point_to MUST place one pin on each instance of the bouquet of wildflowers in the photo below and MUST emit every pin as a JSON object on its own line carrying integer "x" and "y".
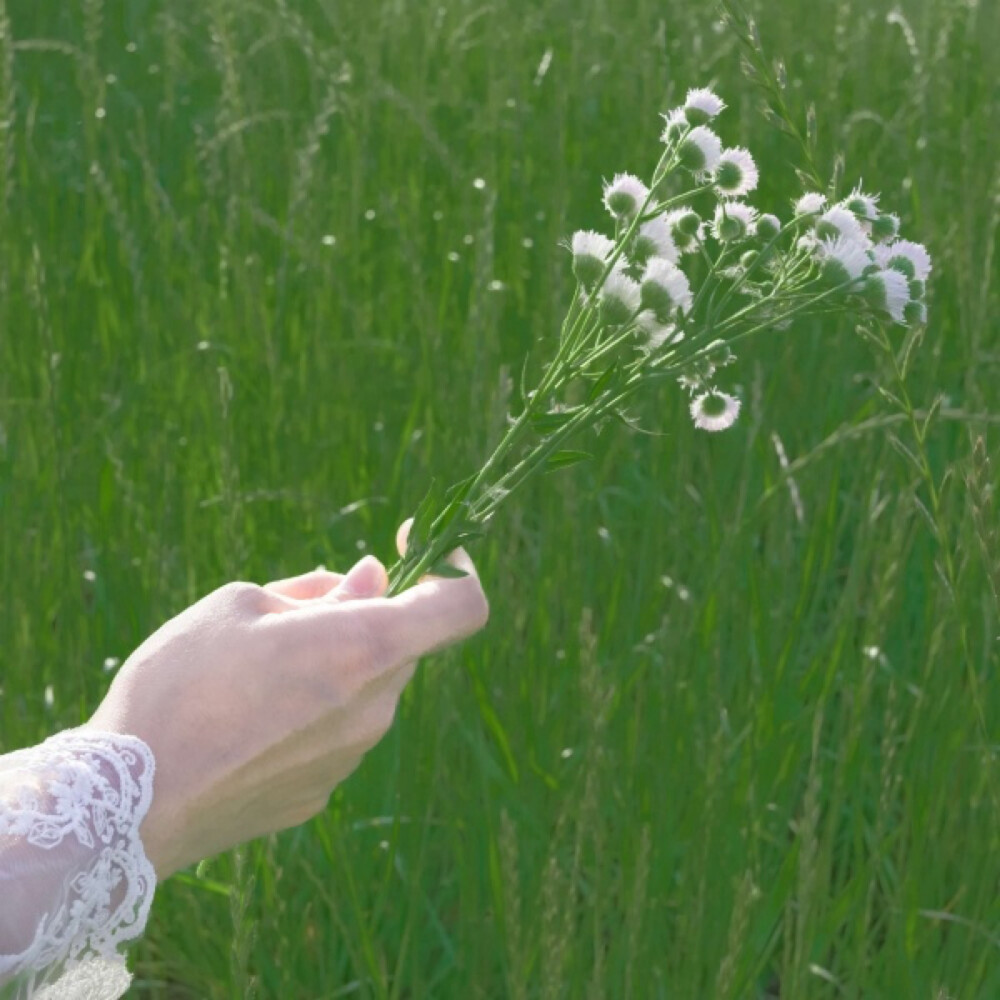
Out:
{"x": 688, "y": 270}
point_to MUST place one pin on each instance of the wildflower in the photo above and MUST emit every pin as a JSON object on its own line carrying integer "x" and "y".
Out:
{"x": 665, "y": 287}
{"x": 838, "y": 221}
{"x": 624, "y": 195}
{"x": 700, "y": 150}
{"x": 714, "y": 410}
{"x": 655, "y": 240}
{"x": 911, "y": 259}
{"x": 843, "y": 259}
{"x": 619, "y": 298}
{"x": 736, "y": 173}
{"x": 915, "y": 313}
{"x": 658, "y": 334}
{"x": 591, "y": 252}
{"x": 676, "y": 125}
{"x": 864, "y": 206}
{"x": 768, "y": 227}
{"x": 686, "y": 228}
{"x": 885, "y": 227}
{"x": 733, "y": 221}
{"x": 889, "y": 291}
{"x": 811, "y": 203}
{"x": 701, "y": 105}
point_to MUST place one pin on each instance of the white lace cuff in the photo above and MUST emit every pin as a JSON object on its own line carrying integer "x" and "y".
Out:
{"x": 75, "y": 882}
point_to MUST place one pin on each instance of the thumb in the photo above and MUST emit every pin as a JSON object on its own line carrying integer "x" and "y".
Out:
{"x": 366, "y": 578}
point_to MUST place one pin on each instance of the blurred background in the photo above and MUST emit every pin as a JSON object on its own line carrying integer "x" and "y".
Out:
{"x": 269, "y": 267}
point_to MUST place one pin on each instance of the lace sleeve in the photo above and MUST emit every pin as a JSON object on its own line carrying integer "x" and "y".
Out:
{"x": 75, "y": 882}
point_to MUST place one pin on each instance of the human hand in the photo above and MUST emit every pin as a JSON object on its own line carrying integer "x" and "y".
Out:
{"x": 258, "y": 701}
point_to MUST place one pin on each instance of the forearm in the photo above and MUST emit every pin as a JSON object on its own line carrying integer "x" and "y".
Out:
{"x": 74, "y": 879}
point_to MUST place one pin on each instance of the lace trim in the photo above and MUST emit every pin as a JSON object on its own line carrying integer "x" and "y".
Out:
{"x": 95, "y": 787}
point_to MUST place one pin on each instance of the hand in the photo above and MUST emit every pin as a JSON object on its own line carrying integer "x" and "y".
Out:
{"x": 257, "y": 701}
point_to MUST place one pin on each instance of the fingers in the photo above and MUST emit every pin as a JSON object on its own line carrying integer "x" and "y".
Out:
{"x": 435, "y": 613}
{"x": 365, "y": 579}
{"x": 307, "y": 587}
{"x": 457, "y": 557}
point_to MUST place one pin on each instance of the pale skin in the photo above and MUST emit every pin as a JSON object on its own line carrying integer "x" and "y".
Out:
{"x": 257, "y": 701}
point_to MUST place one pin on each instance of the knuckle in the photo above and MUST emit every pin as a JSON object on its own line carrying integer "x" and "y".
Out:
{"x": 242, "y": 594}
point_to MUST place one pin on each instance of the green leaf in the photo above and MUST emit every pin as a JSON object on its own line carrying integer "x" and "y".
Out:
{"x": 545, "y": 423}
{"x": 446, "y": 570}
{"x": 562, "y": 459}
{"x": 422, "y": 520}
{"x": 598, "y": 387}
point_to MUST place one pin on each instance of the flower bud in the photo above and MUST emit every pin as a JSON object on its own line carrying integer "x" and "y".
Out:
{"x": 619, "y": 298}
{"x": 624, "y": 196}
{"x": 768, "y": 227}
{"x": 700, "y": 150}
{"x": 591, "y": 252}
{"x": 885, "y": 228}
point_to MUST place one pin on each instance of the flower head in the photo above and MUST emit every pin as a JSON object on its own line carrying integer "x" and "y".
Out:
{"x": 838, "y": 221}
{"x": 700, "y": 150}
{"x": 736, "y": 173}
{"x": 654, "y": 239}
{"x": 885, "y": 227}
{"x": 675, "y": 125}
{"x": 888, "y": 291}
{"x": 811, "y": 203}
{"x": 911, "y": 259}
{"x": 665, "y": 287}
{"x": 591, "y": 252}
{"x": 714, "y": 410}
{"x": 768, "y": 226}
{"x": 619, "y": 297}
{"x": 733, "y": 220}
{"x": 701, "y": 105}
{"x": 843, "y": 259}
{"x": 915, "y": 313}
{"x": 658, "y": 334}
{"x": 624, "y": 195}
{"x": 864, "y": 206}
{"x": 687, "y": 229}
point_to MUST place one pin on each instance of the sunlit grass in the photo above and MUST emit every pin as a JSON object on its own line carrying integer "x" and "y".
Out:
{"x": 267, "y": 269}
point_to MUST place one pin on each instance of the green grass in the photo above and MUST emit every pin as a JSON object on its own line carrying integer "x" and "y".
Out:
{"x": 705, "y": 748}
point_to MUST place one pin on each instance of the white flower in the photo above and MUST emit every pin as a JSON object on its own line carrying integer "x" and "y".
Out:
{"x": 915, "y": 313}
{"x": 619, "y": 297}
{"x": 654, "y": 240}
{"x": 700, "y": 150}
{"x": 659, "y": 334}
{"x": 911, "y": 258}
{"x": 838, "y": 221}
{"x": 624, "y": 195}
{"x": 687, "y": 229}
{"x": 591, "y": 252}
{"x": 665, "y": 287}
{"x": 889, "y": 291}
{"x": 702, "y": 104}
{"x": 768, "y": 226}
{"x": 865, "y": 206}
{"x": 714, "y": 410}
{"x": 810, "y": 204}
{"x": 885, "y": 227}
{"x": 733, "y": 220}
{"x": 843, "y": 259}
{"x": 675, "y": 125}
{"x": 736, "y": 173}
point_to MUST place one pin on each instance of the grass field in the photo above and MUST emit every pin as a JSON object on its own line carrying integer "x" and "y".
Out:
{"x": 732, "y": 730}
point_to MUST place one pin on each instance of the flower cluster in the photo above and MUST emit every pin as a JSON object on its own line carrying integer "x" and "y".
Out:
{"x": 689, "y": 269}
{"x": 702, "y": 265}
